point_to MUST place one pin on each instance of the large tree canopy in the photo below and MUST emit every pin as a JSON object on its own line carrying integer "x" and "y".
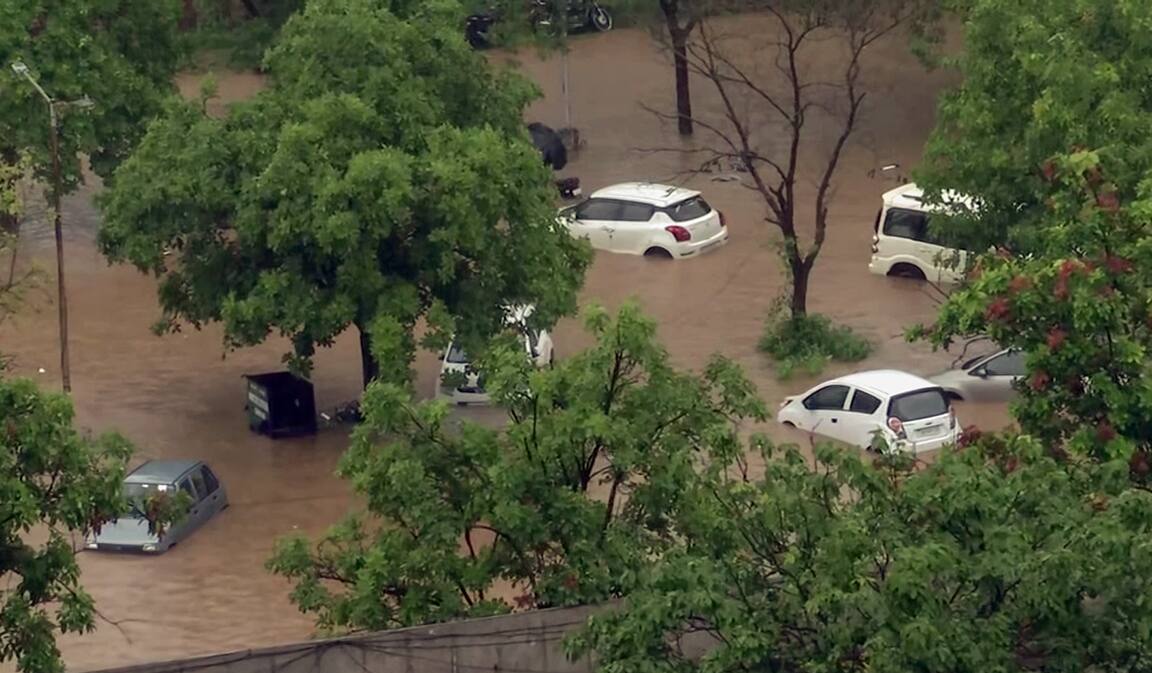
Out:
{"x": 566, "y": 506}
{"x": 384, "y": 175}
{"x": 1040, "y": 78}
{"x": 1048, "y": 131}
{"x": 120, "y": 53}
{"x": 995, "y": 558}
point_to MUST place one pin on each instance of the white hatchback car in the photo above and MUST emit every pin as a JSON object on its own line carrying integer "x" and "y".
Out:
{"x": 537, "y": 347}
{"x": 908, "y": 412}
{"x": 638, "y": 218}
{"x": 903, "y": 245}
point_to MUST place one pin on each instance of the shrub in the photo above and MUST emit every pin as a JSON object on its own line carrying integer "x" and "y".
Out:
{"x": 808, "y": 342}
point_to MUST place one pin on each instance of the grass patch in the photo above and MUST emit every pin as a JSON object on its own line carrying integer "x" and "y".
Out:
{"x": 807, "y": 343}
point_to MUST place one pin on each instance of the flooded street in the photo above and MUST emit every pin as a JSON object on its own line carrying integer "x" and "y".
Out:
{"x": 183, "y": 396}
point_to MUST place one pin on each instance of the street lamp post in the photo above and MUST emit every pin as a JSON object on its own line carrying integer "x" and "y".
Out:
{"x": 57, "y": 191}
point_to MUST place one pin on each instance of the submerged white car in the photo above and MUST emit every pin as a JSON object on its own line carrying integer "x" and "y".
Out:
{"x": 455, "y": 362}
{"x": 903, "y": 243}
{"x": 638, "y": 218}
{"x": 907, "y": 412}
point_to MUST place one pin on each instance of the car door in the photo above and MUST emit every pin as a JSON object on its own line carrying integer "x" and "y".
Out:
{"x": 215, "y": 498}
{"x": 634, "y": 227}
{"x": 991, "y": 380}
{"x": 825, "y": 411}
{"x": 863, "y": 418}
{"x": 198, "y": 510}
{"x": 179, "y": 529}
{"x": 595, "y": 219}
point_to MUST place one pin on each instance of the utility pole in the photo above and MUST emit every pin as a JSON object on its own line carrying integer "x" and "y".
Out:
{"x": 57, "y": 193}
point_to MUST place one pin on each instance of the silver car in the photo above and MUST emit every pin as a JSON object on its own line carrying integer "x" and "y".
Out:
{"x": 130, "y": 531}
{"x": 986, "y": 378}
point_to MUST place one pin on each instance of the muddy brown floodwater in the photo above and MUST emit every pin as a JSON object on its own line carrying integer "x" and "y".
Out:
{"x": 179, "y": 396}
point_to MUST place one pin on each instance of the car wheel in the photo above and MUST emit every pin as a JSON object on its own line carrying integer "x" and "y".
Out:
{"x": 657, "y": 253}
{"x": 907, "y": 271}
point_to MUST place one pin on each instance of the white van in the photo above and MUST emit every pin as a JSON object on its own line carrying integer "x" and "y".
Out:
{"x": 902, "y": 244}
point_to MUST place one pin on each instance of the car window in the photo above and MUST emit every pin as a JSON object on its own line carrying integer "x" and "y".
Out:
{"x": 864, "y": 403}
{"x": 972, "y": 361}
{"x": 186, "y": 486}
{"x": 829, "y": 397}
{"x": 689, "y": 209}
{"x": 919, "y": 404}
{"x": 456, "y": 354}
{"x": 1008, "y": 364}
{"x": 198, "y": 483}
{"x": 909, "y": 224}
{"x": 635, "y": 212}
{"x": 598, "y": 209}
{"x": 211, "y": 483}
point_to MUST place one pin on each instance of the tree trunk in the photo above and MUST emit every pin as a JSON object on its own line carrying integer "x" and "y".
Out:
{"x": 800, "y": 275}
{"x": 683, "y": 94}
{"x": 190, "y": 16}
{"x": 253, "y": 10}
{"x": 369, "y": 368}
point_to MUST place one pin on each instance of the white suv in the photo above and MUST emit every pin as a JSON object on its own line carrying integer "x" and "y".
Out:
{"x": 908, "y": 412}
{"x": 903, "y": 245}
{"x": 638, "y": 218}
{"x": 456, "y": 363}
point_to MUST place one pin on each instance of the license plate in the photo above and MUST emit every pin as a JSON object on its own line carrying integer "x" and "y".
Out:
{"x": 929, "y": 431}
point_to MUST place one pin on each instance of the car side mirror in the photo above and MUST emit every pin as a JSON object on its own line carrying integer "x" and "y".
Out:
{"x": 980, "y": 372}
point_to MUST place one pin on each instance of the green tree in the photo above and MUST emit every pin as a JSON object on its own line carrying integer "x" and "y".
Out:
{"x": 565, "y": 506}
{"x": 1040, "y": 79}
{"x": 995, "y": 558}
{"x": 120, "y": 53}
{"x": 384, "y": 176}
{"x": 55, "y": 483}
{"x": 13, "y": 281}
{"x": 1046, "y": 132}
{"x": 1079, "y": 308}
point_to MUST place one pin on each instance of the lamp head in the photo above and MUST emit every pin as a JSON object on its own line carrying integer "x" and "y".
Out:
{"x": 19, "y": 68}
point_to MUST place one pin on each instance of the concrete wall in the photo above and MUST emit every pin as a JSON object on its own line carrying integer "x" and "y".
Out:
{"x": 528, "y": 642}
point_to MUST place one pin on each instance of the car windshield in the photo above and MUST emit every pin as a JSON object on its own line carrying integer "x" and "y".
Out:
{"x": 137, "y": 494}
{"x": 456, "y": 354}
{"x": 689, "y": 209}
{"x": 919, "y": 404}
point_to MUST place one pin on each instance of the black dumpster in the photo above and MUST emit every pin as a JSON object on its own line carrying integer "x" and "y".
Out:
{"x": 280, "y": 404}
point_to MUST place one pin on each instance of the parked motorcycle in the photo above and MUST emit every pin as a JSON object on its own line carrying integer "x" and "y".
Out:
{"x": 579, "y": 14}
{"x": 476, "y": 29}
{"x": 569, "y": 188}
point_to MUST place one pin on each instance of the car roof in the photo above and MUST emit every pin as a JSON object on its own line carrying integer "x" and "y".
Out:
{"x": 911, "y": 197}
{"x": 889, "y": 382}
{"x": 160, "y": 471}
{"x": 651, "y": 193}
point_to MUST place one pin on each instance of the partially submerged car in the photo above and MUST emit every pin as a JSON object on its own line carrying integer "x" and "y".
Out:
{"x": 462, "y": 383}
{"x": 162, "y": 478}
{"x": 883, "y": 409}
{"x": 903, "y": 243}
{"x": 639, "y": 218}
{"x": 990, "y": 377}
